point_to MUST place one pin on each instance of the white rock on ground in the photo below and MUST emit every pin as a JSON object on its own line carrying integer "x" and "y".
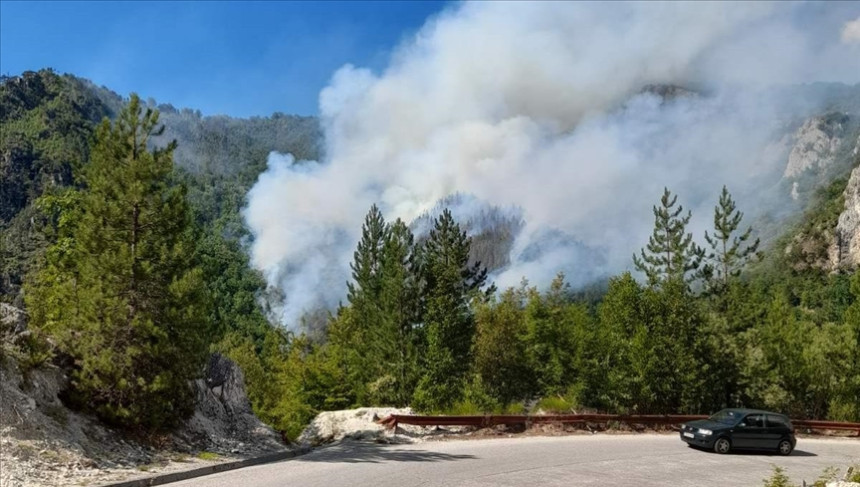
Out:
{"x": 356, "y": 424}
{"x": 361, "y": 425}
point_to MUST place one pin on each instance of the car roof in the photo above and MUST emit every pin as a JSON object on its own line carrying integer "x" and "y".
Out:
{"x": 753, "y": 411}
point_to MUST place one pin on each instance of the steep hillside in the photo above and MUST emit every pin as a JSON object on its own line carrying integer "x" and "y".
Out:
{"x": 848, "y": 225}
{"x": 47, "y": 121}
{"x": 43, "y": 443}
{"x": 808, "y": 223}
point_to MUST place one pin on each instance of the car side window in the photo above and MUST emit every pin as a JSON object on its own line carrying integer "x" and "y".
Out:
{"x": 755, "y": 421}
{"x": 775, "y": 422}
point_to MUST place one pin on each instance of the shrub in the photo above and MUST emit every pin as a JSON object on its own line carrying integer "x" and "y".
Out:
{"x": 554, "y": 404}
{"x": 778, "y": 479}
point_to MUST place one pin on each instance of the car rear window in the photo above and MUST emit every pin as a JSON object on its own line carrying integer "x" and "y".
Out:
{"x": 777, "y": 421}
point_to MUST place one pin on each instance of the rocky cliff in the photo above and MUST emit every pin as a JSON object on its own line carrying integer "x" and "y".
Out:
{"x": 848, "y": 228}
{"x": 816, "y": 143}
{"x": 44, "y": 443}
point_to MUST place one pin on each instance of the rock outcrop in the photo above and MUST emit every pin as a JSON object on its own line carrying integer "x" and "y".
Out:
{"x": 848, "y": 228}
{"x": 223, "y": 417}
{"x": 44, "y": 443}
{"x": 354, "y": 424}
{"x": 12, "y": 320}
{"x": 815, "y": 144}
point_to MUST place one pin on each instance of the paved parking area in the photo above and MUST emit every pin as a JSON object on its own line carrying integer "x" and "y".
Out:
{"x": 601, "y": 459}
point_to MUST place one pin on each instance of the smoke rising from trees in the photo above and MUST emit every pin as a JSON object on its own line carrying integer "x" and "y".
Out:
{"x": 541, "y": 108}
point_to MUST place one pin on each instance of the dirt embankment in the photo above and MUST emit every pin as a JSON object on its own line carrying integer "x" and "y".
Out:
{"x": 43, "y": 443}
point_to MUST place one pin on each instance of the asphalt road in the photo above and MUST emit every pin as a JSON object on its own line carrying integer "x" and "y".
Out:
{"x": 628, "y": 460}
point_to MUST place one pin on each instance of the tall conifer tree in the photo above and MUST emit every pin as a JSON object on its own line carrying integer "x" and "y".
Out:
{"x": 398, "y": 300}
{"x": 449, "y": 283}
{"x": 671, "y": 253}
{"x": 365, "y": 316}
{"x": 120, "y": 291}
{"x": 730, "y": 252}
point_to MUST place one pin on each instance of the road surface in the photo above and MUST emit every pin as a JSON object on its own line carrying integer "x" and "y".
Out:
{"x": 629, "y": 460}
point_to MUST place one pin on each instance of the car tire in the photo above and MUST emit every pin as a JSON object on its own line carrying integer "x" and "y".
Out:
{"x": 722, "y": 446}
{"x": 784, "y": 448}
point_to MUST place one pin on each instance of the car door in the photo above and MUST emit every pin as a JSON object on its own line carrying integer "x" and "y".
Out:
{"x": 777, "y": 428}
{"x": 750, "y": 432}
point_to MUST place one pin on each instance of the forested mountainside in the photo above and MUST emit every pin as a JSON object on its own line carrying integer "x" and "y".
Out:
{"x": 48, "y": 120}
{"x": 766, "y": 318}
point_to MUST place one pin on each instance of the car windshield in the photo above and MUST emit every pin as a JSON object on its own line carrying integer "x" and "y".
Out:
{"x": 725, "y": 416}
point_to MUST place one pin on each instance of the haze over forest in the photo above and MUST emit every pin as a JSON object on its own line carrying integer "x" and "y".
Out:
{"x": 524, "y": 208}
{"x": 556, "y": 126}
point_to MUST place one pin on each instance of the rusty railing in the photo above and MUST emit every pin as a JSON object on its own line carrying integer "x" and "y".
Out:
{"x": 490, "y": 420}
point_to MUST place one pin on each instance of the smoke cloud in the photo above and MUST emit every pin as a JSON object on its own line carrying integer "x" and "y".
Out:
{"x": 851, "y": 31}
{"x": 539, "y": 108}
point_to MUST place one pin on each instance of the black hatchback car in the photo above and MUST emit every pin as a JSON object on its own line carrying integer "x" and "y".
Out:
{"x": 741, "y": 429}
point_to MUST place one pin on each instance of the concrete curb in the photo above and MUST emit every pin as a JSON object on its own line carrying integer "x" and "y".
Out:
{"x": 210, "y": 469}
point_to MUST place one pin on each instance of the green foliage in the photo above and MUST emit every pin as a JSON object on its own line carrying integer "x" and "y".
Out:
{"x": 730, "y": 252}
{"x": 417, "y": 328}
{"x": 828, "y": 475}
{"x": 671, "y": 253}
{"x": 778, "y": 479}
{"x": 501, "y": 349}
{"x": 233, "y": 289}
{"x": 366, "y": 326}
{"x": 377, "y": 333}
{"x": 119, "y": 292}
{"x": 399, "y": 340}
{"x": 449, "y": 285}
{"x": 208, "y": 456}
{"x": 476, "y": 399}
{"x": 555, "y": 404}
{"x": 556, "y": 331}
{"x": 47, "y": 122}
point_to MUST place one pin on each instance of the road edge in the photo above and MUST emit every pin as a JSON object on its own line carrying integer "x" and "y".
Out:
{"x": 210, "y": 469}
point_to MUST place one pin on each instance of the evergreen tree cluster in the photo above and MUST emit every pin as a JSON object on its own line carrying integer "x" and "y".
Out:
{"x": 120, "y": 290}
{"x": 708, "y": 329}
{"x": 135, "y": 270}
{"x": 406, "y": 333}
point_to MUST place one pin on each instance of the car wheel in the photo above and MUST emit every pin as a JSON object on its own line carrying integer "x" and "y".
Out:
{"x": 722, "y": 445}
{"x": 785, "y": 447}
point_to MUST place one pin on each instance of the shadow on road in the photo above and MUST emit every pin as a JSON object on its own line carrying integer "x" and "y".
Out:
{"x": 795, "y": 453}
{"x": 349, "y": 452}
{"x": 764, "y": 453}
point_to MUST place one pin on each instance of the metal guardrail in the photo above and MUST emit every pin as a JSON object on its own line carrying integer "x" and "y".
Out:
{"x": 650, "y": 419}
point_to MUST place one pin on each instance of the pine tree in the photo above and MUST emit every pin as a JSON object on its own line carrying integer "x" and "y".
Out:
{"x": 363, "y": 295}
{"x": 449, "y": 283}
{"x": 399, "y": 307}
{"x": 119, "y": 291}
{"x": 671, "y": 253}
{"x": 729, "y": 252}
{"x": 368, "y": 260}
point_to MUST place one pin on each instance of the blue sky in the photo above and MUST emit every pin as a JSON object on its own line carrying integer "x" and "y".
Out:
{"x": 235, "y": 58}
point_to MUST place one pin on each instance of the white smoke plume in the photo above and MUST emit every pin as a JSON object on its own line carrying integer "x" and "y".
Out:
{"x": 539, "y": 106}
{"x": 851, "y": 31}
